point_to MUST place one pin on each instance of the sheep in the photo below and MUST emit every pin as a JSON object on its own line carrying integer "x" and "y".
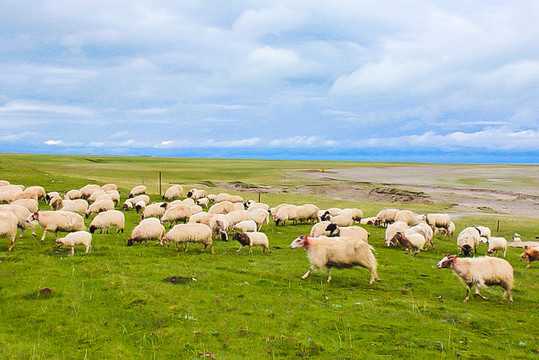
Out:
{"x": 354, "y": 232}
{"x": 87, "y": 190}
{"x": 260, "y": 217}
{"x": 274, "y": 210}
{"x": 51, "y": 194}
{"x": 481, "y": 272}
{"x": 76, "y": 238}
{"x": 137, "y": 190}
{"x": 391, "y": 231}
{"x": 253, "y": 206}
{"x": 324, "y": 214}
{"x": 153, "y": 210}
{"x": 72, "y": 195}
{"x": 212, "y": 197}
{"x": 252, "y": 239}
{"x": 319, "y": 229}
{"x": 411, "y": 241}
{"x": 148, "y": 229}
{"x": 385, "y": 217}
{"x": 37, "y": 191}
{"x": 30, "y": 204}
{"x": 186, "y": 233}
{"x": 8, "y": 227}
{"x": 176, "y": 213}
{"x": 356, "y": 214}
{"x": 449, "y": 231}
{"x": 197, "y": 218}
{"x": 25, "y": 194}
{"x": 484, "y": 233}
{"x": 407, "y": 216}
{"x": 128, "y": 205}
{"x": 140, "y": 206}
{"x": 195, "y": 209}
{"x": 115, "y": 195}
{"x": 77, "y": 205}
{"x": 467, "y": 240}
{"x": 423, "y": 229}
{"x": 308, "y": 212}
{"x": 96, "y": 194}
{"x": 237, "y": 216}
{"x": 9, "y": 193}
{"x": 173, "y": 192}
{"x": 108, "y": 219}
{"x": 338, "y": 252}
{"x": 56, "y": 203}
{"x": 22, "y": 214}
{"x": 245, "y": 226}
{"x": 219, "y": 226}
{"x": 109, "y": 187}
{"x": 238, "y": 206}
{"x": 343, "y": 219}
{"x": 204, "y": 202}
{"x": 530, "y": 255}
{"x": 295, "y": 213}
{"x": 142, "y": 197}
{"x": 287, "y": 212}
{"x": 54, "y": 221}
{"x": 196, "y": 194}
{"x": 99, "y": 206}
{"x": 368, "y": 221}
{"x": 4, "y": 182}
{"x": 437, "y": 221}
{"x": 227, "y": 197}
{"x": 188, "y": 201}
{"x": 495, "y": 244}
{"x": 222, "y": 208}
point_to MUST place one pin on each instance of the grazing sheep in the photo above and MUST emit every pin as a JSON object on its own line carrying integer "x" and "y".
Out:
{"x": 72, "y": 195}
{"x": 204, "y": 202}
{"x": 188, "y": 201}
{"x": 467, "y": 240}
{"x": 128, "y": 205}
{"x": 95, "y": 195}
{"x": 385, "y": 217}
{"x": 77, "y": 205}
{"x": 356, "y": 214}
{"x": 495, "y": 244}
{"x": 153, "y": 210}
{"x": 407, "y": 216}
{"x": 195, "y": 209}
{"x": 54, "y": 221}
{"x": 223, "y": 207}
{"x": 4, "y": 182}
{"x": 30, "y": 204}
{"x": 252, "y": 239}
{"x": 33, "y": 192}
{"x": 109, "y": 187}
{"x": 437, "y": 221}
{"x": 353, "y": 232}
{"x": 145, "y": 198}
{"x": 284, "y": 213}
{"x": 173, "y": 192}
{"x": 87, "y": 190}
{"x": 198, "y": 217}
{"x": 108, "y": 219}
{"x": 99, "y": 206}
{"x": 76, "y": 238}
{"x": 196, "y": 194}
{"x": 253, "y": 206}
{"x": 51, "y": 194}
{"x": 530, "y": 255}
{"x": 176, "y": 213}
{"x": 338, "y": 252}
{"x": 227, "y": 197}
{"x": 115, "y": 195}
{"x": 8, "y": 227}
{"x": 411, "y": 241}
{"x": 481, "y": 272}
{"x": 186, "y": 233}
{"x": 237, "y": 216}
{"x": 140, "y": 206}
{"x": 56, "y": 203}
{"x": 319, "y": 229}
{"x": 484, "y": 233}
{"x": 325, "y": 214}
{"x": 212, "y": 197}
{"x": 392, "y": 230}
{"x": 342, "y": 220}
{"x": 449, "y": 231}
{"x": 9, "y": 193}
{"x": 148, "y": 229}
{"x": 219, "y": 225}
{"x": 302, "y": 213}
{"x": 238, "y": 206}
{"x": 137, "y": 190}
{"x": 423, "y": 229}
{"x": 245, "y": 226}
{"x": 22, "y": 214}
{"x": 368, "y": 221}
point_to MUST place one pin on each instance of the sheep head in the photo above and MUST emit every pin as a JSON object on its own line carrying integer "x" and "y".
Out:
{"x": 447, "y": 262}
{"x": 333, "y": 230}
{"x": 242, "y": 238}
{"x": 301, "y": 241}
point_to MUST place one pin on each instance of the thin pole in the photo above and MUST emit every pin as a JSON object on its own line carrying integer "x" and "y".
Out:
{"x": 159, "y": 183}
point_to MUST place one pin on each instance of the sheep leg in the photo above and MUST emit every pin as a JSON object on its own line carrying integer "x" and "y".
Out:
{"x": 212, "y": 251}
{"x": 241, "y": 247}
{"x": 374, "y": 276}
{"x": 468, "y": 288}
{"x": 185, "y": 249}
{"x": 432, "y": 244}
{"x": 329, "y": 274}
{"x": 72, "y": 250}
{"x": 44, "y": 233}
{"x": 502, "y": 300}
{"x": 529, "y": 264}
{"x": 478, "y": 288}
{"x": 204, "y": 248}
{"x": 250, "y": 249}
{"x": 307, "y": 273}
{"x": 12, "y": 242}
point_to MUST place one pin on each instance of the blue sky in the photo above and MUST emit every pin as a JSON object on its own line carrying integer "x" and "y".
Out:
{"x": 355, "y": 80}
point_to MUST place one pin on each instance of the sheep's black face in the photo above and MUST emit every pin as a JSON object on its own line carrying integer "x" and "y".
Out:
{"x": 58, "y": 244}
{"x": 130, "y": 242}
{"x": 92, "y": 229}
{"x": 466, "y": 249}
{"x": 333, "y": 230}
{"x": 325, "y": 217}
{"x": 189, "y": 194}
{"x": 446, "y": 262}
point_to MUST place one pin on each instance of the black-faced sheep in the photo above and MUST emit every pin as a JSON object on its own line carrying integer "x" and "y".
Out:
{"x": 108, "y": 219}
{"x": 353, "y": 232}
{"x": 252, "y": 239}
{"x": 415, "y": 241}
{"x": 385, "y": 217}
{"x": 148, "y": 229}
{"x": 467, "y": 240}
{"x": 137, "y": 190}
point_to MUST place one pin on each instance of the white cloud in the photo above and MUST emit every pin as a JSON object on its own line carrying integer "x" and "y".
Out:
{"x": 53, "y": 142}
{"x": 31, "y": 106}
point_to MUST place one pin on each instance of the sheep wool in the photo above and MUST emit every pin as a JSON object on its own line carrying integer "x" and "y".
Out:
{"x": 108, "y": 219}
{"x": 392, "y": 230}
{"x": 54, "y": 221}
{"x": 137, "y": 190}
{"x": 530, "y": 255}
{"x": 467, "y": 240}
{"x": 495, "y": 244}
{"x": 252, "y": 239}
{"x": 77, "y": 205}
{"x": 8, "y": 227}
{"x": 148, "y": 229}
{"x": 190, "y": 233}
{"x": 245, "y": 226}
{"x": 76, "y": 238}
{"x": 319, "y": 229}
{"x": 353, "y": 232}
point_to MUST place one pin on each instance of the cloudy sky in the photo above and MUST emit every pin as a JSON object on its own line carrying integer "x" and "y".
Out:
{"x": 424, "y": 80}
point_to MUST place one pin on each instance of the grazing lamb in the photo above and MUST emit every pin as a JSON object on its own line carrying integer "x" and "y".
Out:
{"x": 495, "y": 244}
{"x": 481, "y": 272}
{"x": 177, "y": 213}
{"x": 353, "y": 232}
{"x": 145, "y": 198}
{"x": 148, "y": 229}
{"x": 245, "y": 226}
{"x": 186, "y": 233}
{"x": 437, "y": 221}
{"x": 392, "y": 230}
{"x": 109, "y": 187}
{"x": 368, "y": 221}
{"x": 237, "y": 216}
{"x": 252, "y": 239}
{"x": 54, "y": 221}
{"x": 385, "y": 217}
{"x": 338, "y": 252}
{"x": 449, "y": 231}
{"x": 56, "y": 203}
{"x": 284, "y": 213}
{"x": 8, "y": 227}
{"x": 99, "y": 206}
{"x": 422, "y": 229}
{"x": 173, "y": 192}
{"x": 411, "y": 241}
{"x": 137, "y": 190}
{"x": 108, "y": 219}
{"x": 484, "y": 233}
{"x": 76, "y": 238}
{"x": 204, "y": 202}
{"x": 77, "y": 205}
{"x": 530, "y": 255}
{"x": 467, "y": 240}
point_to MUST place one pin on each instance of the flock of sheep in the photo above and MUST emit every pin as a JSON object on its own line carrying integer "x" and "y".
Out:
{"x": 335, "y": 241}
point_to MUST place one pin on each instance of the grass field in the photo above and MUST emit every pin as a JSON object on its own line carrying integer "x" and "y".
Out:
{"x": 113, "y": 303}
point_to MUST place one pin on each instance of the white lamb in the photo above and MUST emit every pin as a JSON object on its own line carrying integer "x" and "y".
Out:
{"x": 76, "y": 238}
{"x": 497, "y": 243}
{"x": 72, "y": 195}
{"x": 99, "y": 206}
{"x": 153, "y": 210}
{"x": 392, "y": 230}
{"x": 108, "y": 219}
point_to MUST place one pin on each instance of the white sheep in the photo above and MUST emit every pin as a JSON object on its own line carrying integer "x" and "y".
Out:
{"x": 423, "y": 229}
{"x": 51, "y": 194}
{"x": 392, "y": 230}
{"x": 253, "y": 206}
{"x": 33, "y": 192}
{"x": 156, "y": 210}
{"x": 96, "y": 194}
{"x": 211, "y": 197}
{"x": 449, "y": 231}
{"x": 196, "y": 194}
{"x": 284, "y": 213}
{"x": 368, "y": 221}
{"x": 188, "y": 201}
{"x": 77, "y": 205}
{"x": 128, "y": 205}
{"x": 137, "y": 190}
{"x": 467, "y": 240}
{"x": 238, "y": 206}
{"x": 252, "y": 239}
{"x": 343, "y": 219}
{"x": 411, "y": 241}
{"x": 109, "y": 187}
{"x": 223, "y": 207}
{"x": 9, "y": 193}
{"x": 140, "y": 206}
{"x": 177, "y": 213}
{"x": 148, "y": 229}
{"x": 324, "y": 214}
{"x": 22, "y": 214}
{"x": 497, "y": 243}
{"x": 438, "y": 221}
{"x": 8, "y": 227}
{"x": 484, "y": 233}
{"x": 143, "y": 197}
{"x": 72, "y": 195}
{"x": 227, "y": 197}
{"x": 198, "y": 217}
{"x": 99, "y": 206}
{"x": 76, "y": 238}
{"x": 31, "y": 204}
{"x": 355, "y": 213}
{"x": 237, "y": 216}
{"x": 353, "y": 232}
{"x": 56, "y": 203}
{"x": 195, "y": 209}
{"x": 173, "y": 192}
{"x": 245, "y": 226}
{"x": 219, "y": 226}
{"x": 4, "y": 182}
{"x": 319, "y": 229}
{"x": 204, "y": 202}
{"x": 308, "y": 212}
{"x": 407, "y": 216}
{"x": 186, "y": 233}
{"x": 87, "y": 190}
{"x": 54, "y": 221}
{"x": 481, "y": 272}
{"x": 337, "y": 252}
{"x": 385, "y": 217}
{"x": 115, "y": 195}
{"x": 108, "y": 219}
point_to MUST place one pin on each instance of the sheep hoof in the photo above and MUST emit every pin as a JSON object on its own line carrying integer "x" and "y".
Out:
{"x": 303, "y": 277}
{"x": 486, "y": 299}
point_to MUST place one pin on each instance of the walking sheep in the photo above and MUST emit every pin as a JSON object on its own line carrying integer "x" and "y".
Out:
{"x": 148, "y": 229}
{"x": 8, "y": 227}
{"x": 186, "y": 233}
{"x": 392, "y": 230}
{"x": 467, "y": 240}
{"x": 530, "y": 255}
{"x": 245, "y": 226}
{"x": 337, "y": 252}
{"x": 54, "y": 221}
{"x": 411, "y": 241}
{"x": 252, "y": 239}
{"x": 481, "y": 272}
{"x": 108, "y": 219}
{"x": 385, "y": 217}
{"x": 495, "y": 244}
{"x": 76, "y": 238}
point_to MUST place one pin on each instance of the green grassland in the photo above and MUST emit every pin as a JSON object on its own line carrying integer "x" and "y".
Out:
{"x": 113, "y": 302}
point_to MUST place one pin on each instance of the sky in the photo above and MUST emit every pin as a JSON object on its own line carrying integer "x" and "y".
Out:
{"x": 421, "y": 80}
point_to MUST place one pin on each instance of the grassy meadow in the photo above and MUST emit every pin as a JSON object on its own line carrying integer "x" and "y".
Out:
{"x": 113, "y": 302}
